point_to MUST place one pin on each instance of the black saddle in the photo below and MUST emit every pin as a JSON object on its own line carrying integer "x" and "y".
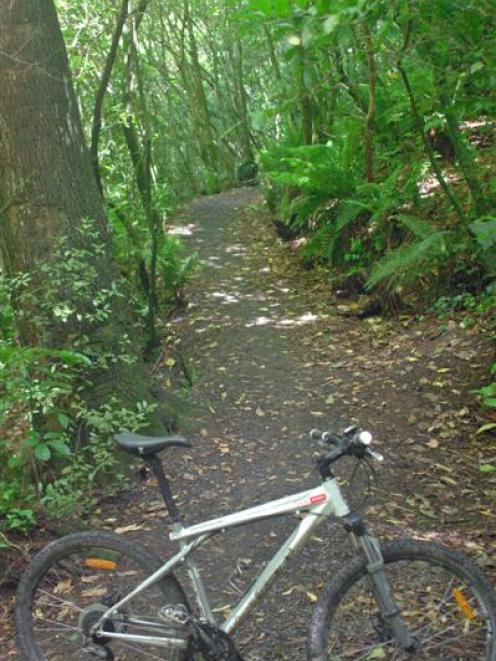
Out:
{"x": 143, "y": 446}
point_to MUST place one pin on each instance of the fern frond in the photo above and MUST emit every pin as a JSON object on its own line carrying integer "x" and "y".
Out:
{"x": 400, "y": 264}
{"x": 348, "y": 215}
{"x": 318, "y": 244}
{"x": 421, "y": 228}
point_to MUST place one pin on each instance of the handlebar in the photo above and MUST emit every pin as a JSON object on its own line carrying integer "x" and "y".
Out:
{"x": 352, "y": 442}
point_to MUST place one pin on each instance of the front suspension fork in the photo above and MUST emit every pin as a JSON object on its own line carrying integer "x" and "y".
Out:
{"x": 379, "y": 583}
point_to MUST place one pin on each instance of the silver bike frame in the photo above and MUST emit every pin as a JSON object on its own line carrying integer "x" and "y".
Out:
{"x": 313, "y": 506}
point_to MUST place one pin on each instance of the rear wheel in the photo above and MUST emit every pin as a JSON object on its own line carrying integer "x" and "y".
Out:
{"x": 446, "y": 602}
{"x": 74, "y": 580}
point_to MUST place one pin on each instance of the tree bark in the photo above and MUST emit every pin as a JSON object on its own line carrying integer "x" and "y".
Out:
{"x": 48, "y": 187}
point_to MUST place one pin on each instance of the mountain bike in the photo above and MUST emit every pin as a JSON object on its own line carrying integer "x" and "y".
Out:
{"x": 99, "y": 595}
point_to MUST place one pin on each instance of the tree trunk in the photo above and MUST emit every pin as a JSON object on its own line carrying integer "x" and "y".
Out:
{"x": 305, "y": 100}
{"x": 245, "y": 137}
{"x": 102, "y": 90}
{"x": 369, "y": 117}
{"x": 48, "y": 188}
{"x": 198, "y": 99}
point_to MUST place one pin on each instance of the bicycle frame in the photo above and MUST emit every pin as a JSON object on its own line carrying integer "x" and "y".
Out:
{"x": 313, "y": 505}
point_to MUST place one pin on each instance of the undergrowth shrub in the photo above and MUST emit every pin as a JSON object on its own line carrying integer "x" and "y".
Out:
{"x": 54, "y": 446}
{"x": 175, "y": 268}
{"x": 307, "y": 179}
{"x": 134, "y": 250}
{"x": 381, "y": 233}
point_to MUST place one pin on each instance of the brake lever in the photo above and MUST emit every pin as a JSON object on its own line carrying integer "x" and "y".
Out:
{"x": 375, "y": 455}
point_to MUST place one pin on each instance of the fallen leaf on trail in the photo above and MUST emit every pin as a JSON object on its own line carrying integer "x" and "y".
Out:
{"x": 294, "y": 588}
{"x": 130, "y": 528}
{"x": 259, "y": 412}
{"x": 170, "y": 362}
{"x": 94, "y": 592}
{"x": 433, "y": 443}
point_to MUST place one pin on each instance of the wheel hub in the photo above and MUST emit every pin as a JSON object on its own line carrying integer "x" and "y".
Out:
{"x": 89, "y": 617}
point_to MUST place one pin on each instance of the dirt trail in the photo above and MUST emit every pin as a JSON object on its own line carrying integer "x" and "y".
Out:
{"x": 272, "y": 356}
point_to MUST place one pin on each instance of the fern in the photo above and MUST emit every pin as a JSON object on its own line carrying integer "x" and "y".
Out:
{"x": 313, "y": 169}
{"x": 174, "y": 266}
{"x": 403, "y": 264}
{"x": 421, "y": 228}
{"x": 348, "y": 215}
{"x": 317, "y": 246}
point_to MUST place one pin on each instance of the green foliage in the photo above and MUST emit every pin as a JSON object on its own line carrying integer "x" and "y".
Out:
{"x": 134, "y": 250}
{"x": 310, "y": 179}
{"x": 425, "y": 253}
{"x": 488, "y": 393}
{"x": 176, "y": 266}
{"x": 484, "y": 230}
{"x": 55, "y": 445}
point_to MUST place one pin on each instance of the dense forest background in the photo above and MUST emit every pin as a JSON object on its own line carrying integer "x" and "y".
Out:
{"x": 369, "y": 125}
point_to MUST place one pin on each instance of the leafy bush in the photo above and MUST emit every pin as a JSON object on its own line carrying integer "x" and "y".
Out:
{"x": 53, "y": 444}
{"x": 484, "y": 231}
{"x": 359, "y": 227}
{"x": 134, "y": 250}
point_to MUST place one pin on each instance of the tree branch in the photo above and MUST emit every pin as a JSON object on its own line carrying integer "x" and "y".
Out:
{"x": 102, "y": 89}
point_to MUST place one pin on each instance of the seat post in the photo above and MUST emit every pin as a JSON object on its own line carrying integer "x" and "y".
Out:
{"x": 165, "y": 490}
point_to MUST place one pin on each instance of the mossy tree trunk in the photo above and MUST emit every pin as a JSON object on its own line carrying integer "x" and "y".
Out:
{"x": 48, "y": 189}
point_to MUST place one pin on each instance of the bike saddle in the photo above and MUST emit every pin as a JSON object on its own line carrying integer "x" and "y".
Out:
{"x": 146, "y": 445}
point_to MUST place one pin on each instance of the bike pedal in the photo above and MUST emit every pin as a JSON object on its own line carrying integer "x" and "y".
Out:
{"x": 174, "y": 615}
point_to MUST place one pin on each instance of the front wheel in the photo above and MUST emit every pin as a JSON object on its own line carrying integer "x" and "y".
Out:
{"x": 445, "y": 601}
{"x": 73, "y": 581}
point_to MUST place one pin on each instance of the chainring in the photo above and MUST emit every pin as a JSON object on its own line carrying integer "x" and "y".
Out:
{"x": 210, "y": 643}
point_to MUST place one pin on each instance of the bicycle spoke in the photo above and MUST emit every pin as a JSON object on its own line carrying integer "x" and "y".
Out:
{"x": 441, "y": 612}
{"x": 53, "y": 597}
{"x": 86, "y": 578}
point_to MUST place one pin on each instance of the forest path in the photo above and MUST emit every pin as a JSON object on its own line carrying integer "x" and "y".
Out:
{"x": 273, "y": 356}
